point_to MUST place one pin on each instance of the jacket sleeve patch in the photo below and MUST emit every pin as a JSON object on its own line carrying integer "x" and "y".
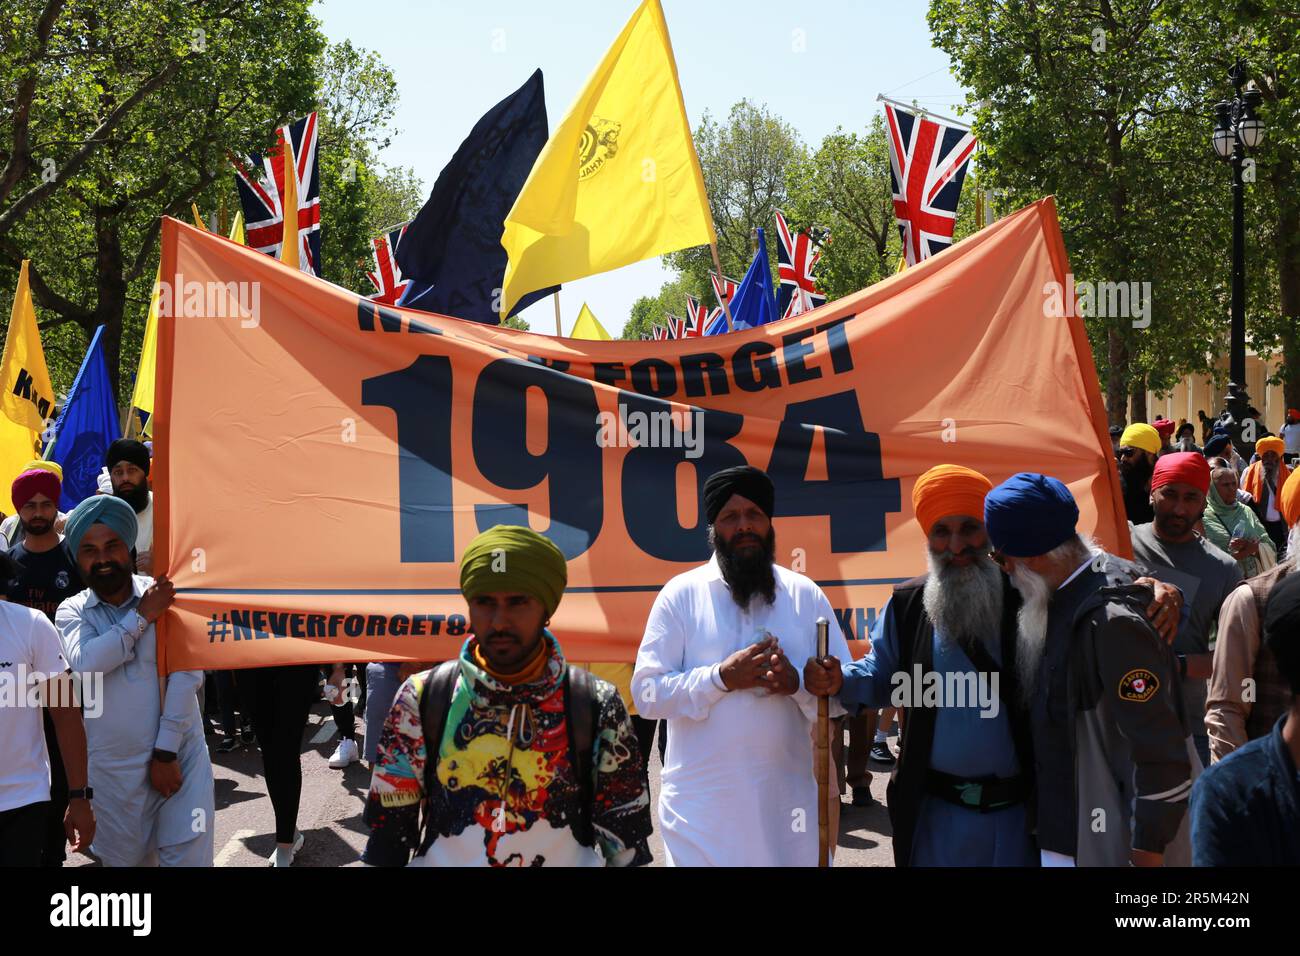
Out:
{"x": 1138, "y": 685}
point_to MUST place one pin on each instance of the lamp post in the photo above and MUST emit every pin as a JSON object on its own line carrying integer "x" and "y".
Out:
{"x": 1237, "y": 129}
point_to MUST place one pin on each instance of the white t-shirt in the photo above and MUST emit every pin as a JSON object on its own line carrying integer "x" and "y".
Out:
{"x": 29, "y": 645}
{"x": 1291, "y": 435}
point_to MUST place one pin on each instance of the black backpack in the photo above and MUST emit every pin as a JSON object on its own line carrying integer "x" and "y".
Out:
{"x": 581, "y": 715}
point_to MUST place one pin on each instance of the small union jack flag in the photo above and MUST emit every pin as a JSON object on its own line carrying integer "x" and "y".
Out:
{"x": 723, "y": 288}
{"x": 387, "y": 277}
{"x": 659, "y": 333}
{"x": 697, "y": 318}
{"x": 928, "y": 160}
{"x": 676, "y": 327}
{"x": 261, "y": 184}
{"x": 796, "y": 257}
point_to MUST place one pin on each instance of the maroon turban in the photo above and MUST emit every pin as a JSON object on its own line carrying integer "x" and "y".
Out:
{"x": 1188, "y": 467}
{"x": 1164, "y": 426}
{"x": 36, "y": 481}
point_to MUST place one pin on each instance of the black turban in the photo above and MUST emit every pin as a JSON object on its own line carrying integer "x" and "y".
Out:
{"x": 742, "y": 480}
{"x": 124, "y": 449}
{"x": 1282, "y": 627}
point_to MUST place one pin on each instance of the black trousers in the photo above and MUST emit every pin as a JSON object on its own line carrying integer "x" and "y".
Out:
{"x": 232, "y": 696}
{"x": 645, "y": 737}
{"x": 281, "y": 698}
{"x": 345, "y": 718}
{"x": 22, "y": 834}
{"x": 54, "y": 850}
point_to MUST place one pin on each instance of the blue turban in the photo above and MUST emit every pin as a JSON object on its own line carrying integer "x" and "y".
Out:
{"x": 102, "y": 509}
{"x": 1028, "y": 515}
{"x": 1219, "y": 443}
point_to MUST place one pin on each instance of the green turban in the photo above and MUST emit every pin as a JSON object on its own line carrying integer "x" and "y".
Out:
{"x": 510, "y": 558}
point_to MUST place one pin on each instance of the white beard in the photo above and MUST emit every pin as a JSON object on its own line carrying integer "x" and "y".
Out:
{"x": 1031, "y": 627}
{"x": 964, "y": 602}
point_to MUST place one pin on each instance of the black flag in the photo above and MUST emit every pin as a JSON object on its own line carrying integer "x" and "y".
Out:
{"x": 452, "y": 252}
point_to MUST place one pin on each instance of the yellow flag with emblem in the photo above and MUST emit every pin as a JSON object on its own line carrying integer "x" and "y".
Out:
{"x": 587, "y": 327}
{"x": 26, "y": 395}
{"x": 289, "y": 203}
{"x": 237, "y": 229}
{"x": 142, "y": 396}
{"x": 619, "y": 181}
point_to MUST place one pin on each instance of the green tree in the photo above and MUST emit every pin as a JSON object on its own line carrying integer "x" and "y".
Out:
{"x": 1103, "y": 106}
{"x": 121, "y": 113}
{"x": 649, "y": 311}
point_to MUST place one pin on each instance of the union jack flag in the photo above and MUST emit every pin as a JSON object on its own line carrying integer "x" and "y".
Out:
{"x": 675, "y": 327}
{"x": 387, "y": 277}
{"x": 928, "y": 160}
{"x": 659, "y": 333}
{"x": 796, "y": 257}
{"x": 723, "y": 288}
{"x": 261, "y": 184}
{"x": 697, "y": 318}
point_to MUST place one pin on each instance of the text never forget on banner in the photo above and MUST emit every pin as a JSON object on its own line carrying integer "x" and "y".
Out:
{"x": 323, "y": 461}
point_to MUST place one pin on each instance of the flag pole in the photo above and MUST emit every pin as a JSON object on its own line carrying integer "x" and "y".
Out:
{"x": 822, "y": 752}
{"x": 558, "y": 329}
{"x": 726, "y": 308}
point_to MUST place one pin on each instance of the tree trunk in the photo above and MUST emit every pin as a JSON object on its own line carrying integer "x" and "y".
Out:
{"x": 1116, "y": 376}
{"x": 1138, "y": 399}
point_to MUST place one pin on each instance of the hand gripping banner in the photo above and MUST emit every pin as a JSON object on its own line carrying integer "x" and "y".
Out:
{"x": 323, "y": 460}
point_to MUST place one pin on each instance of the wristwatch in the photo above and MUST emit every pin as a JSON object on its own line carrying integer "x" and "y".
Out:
{"x": 164, "y": 756}
{"x": 82, "y": 793}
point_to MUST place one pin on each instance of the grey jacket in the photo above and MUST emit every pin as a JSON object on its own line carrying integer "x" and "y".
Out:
{"x": 1133, "y": 754}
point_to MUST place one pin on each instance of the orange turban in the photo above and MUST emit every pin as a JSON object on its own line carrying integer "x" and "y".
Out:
{"x": 949, "y": 490}
{"x": 1289, "y": 499}
{"x": 1271, "y": 443}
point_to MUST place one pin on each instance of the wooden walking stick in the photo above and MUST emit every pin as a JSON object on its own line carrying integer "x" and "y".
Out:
{"x": 822, "y": 752}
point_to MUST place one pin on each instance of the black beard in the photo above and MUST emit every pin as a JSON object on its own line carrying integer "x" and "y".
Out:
{"x": 1138, "y": 474}
{"x": 106, "y": 585}
{"x": 748, "y": 573}
{"x": 36, "y": 527}
{"x": 137, "y": 498}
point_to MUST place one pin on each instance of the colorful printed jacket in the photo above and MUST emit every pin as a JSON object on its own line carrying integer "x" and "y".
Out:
{"x": 503, "y": 804}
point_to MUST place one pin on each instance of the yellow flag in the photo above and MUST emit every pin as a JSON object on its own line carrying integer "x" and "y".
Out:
{"x": 237, "y": 229}
{"x": 619, "y": 181}
{"x": 142, "y": 397}
{"x": 26, "y": 396}
{"x": 289, "y": 203}
{"x": 902, "y": 264}
{"x": 198, "y": 219}
{"x": 587, "y": 327}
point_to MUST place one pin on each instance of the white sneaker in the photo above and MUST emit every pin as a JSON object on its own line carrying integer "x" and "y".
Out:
{"x": 345, "y": 753}
{"x": 283, "y": 856}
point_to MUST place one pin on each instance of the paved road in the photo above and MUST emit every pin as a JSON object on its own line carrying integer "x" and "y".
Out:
{"x": 332, "y": 801}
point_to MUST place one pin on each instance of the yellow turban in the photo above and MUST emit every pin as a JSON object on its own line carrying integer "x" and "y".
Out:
{"x": 949, "y": 490}
{"x": 1271, "y": 443}
{"x": 1289, "y": 499}
{"x": 1141, "y": 435}
{"x": 43, "y": 465}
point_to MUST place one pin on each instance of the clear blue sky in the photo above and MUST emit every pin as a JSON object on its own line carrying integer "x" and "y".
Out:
{"x": 454, "y": 60}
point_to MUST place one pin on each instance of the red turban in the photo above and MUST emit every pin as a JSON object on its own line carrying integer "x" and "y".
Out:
{"x": 1164, "y": 426}
{"x": 949, "y": 490}
{"x": 36, "y": 481}
{"x": 1188, "y": 467}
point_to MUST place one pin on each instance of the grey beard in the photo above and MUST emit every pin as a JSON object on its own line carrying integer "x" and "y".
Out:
{"x": 964, "y": 602}
{"x": 1031, "y": 628}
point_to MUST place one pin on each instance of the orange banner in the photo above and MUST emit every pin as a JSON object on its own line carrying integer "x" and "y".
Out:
{"x": 322, "y": 461}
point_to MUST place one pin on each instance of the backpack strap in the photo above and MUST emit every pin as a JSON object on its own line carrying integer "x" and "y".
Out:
{"x": 435, "y": 702}
{"x": 581, "y": 713}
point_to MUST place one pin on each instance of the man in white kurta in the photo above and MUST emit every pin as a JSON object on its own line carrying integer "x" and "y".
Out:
{"x": 148, "y": 763}
{"x": 737, "y": 786}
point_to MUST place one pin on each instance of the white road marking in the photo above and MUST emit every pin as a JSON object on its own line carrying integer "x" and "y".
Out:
{"x": 233, "y": 846}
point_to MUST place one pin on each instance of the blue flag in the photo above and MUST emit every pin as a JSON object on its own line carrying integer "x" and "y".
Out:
{"x": 452, "y": 252}
{"x": 87, "y": 425}
{"x": 754, "y": 303}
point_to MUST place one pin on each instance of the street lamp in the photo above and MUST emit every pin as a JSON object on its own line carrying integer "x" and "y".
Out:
{"x": 1237, "y": 129}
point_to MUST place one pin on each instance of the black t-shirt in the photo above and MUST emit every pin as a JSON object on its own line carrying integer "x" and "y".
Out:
{"x": 44, "y": 581}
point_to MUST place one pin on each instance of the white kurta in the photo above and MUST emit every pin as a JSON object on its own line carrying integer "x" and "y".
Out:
{"x": 737, "y": 786}
{"x": 134, "y": 824}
